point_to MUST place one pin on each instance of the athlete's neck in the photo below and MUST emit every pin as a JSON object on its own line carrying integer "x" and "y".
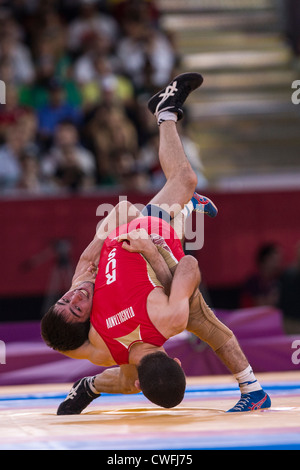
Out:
{"x": 139, "y": 350}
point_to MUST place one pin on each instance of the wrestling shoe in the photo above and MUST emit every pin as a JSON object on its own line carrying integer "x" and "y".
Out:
{"x": 174, "y": 95}
{"x": 79, "y": 397}
{"x": 204, "y": 205}
{"x": 251, "y": 402}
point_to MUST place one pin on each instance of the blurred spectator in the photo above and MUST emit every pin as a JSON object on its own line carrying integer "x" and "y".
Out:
{"x": 68, "y": 165}
{"x": 290, "y": 295}
{"x": 27, "y": 125}
{"x": 149, "y": 161}
{"x": 51, "y": 28}
{"x": 30, "y": 178}
{"x": 19, "y": 55}
{"x": 56, "y": 110}
{"x": 18, "y": 144}
{"x": 114, "y": 140}
{"x": 146, "y": 55}
{"x": 146, "y": 10}
{"x": 128, "y": 174}
{"x": 92, "y": 63}
{"x": 263, "y": 287}
{"x": 106, "y": 87}
{"x": 6, "y": 71}
{"x": 10, "y": 151}
{"x": 96, "y": 46}
{"x": 90, "y": 20}
{"x": 11, "y": 111}
{"x": 49, "y": 65}
{"x": 51, "y": 59}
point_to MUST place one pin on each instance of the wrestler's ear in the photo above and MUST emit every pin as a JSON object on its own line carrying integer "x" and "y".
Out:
{"x": 177, "y": 360}
{"x": 137, "y": 384}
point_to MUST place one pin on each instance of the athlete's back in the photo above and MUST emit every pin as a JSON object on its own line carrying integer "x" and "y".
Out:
{"x": 122, "y": 287}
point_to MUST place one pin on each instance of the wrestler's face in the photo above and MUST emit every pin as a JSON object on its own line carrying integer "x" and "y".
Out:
{"x": 76, "y": 305}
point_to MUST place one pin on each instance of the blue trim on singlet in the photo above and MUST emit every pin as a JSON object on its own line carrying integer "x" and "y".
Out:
{"x": 152, "y": 210}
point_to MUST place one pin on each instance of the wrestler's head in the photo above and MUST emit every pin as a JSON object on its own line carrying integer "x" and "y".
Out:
{"x": 161, "y": 379}
{"x": 66, "y": 325}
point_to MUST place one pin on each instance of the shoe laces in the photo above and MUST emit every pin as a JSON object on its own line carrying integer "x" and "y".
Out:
{"x": 244, "y": 400}
{"x": 73, "y": 392}
{"x": 169, "y": 91}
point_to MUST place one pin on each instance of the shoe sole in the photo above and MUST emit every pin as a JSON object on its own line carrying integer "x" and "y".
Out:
{"x": 195, "y": 80}
{"x": 208, "y": 209}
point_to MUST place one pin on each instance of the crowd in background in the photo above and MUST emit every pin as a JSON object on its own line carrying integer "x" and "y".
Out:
{"x": 78, "y": 75}
{"x": 275, "y": 285}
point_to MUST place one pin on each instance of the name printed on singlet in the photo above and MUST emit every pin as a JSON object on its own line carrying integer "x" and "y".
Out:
{"x": 110, "y": 269}
{"x": 120, "y": 317}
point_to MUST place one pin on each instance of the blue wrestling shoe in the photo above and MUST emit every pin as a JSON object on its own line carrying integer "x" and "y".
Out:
{"x": 251, "y": 402}
{"x": 204, "y": 205}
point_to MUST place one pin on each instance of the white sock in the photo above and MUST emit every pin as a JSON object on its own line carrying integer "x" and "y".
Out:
{"x": 166, "y": 116}
{"x": 247, "y": 381}
{"x": 188, "y": 209}
{"x": 90, "y": 382}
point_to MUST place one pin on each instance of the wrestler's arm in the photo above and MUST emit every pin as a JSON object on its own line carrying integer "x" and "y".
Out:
{"x": 164, "y": 272}
{"x": 185, "y": 283}
{"x": 160, "y": 268}
{"x": 123, "y": 213}
{"x": 139, "y": 241}
{"x": 118, "y": 380}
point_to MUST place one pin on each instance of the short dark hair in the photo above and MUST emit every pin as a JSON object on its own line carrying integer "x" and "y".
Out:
{"x": 61, "y": 335}
{"x": 162, "y": 380}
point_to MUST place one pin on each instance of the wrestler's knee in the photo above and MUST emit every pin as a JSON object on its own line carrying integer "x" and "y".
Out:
{"x": 189, "y": 180}
{"x": 186, "y": 178}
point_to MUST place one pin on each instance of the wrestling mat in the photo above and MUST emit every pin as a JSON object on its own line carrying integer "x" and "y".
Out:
{"x": 130, "y": 422}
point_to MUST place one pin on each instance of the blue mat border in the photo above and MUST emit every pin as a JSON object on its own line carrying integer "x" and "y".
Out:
{"x": 217, "y": 390}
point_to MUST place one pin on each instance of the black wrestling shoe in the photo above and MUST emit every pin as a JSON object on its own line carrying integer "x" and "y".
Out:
{"x": 80, "y": 396}
{"x": 174, "y": 95}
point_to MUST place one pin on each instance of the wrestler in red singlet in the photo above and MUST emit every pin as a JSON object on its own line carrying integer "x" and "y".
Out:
{"x": 124, "y": 281}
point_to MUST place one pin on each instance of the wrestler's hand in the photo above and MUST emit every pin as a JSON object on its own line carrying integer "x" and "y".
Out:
{"x": 93, "y": 270}
{"x": 137, "y": 241}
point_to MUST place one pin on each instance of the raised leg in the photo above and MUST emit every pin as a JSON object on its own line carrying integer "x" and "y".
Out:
{"x": 166, "y": 106}
{"x": 181, "y": 179}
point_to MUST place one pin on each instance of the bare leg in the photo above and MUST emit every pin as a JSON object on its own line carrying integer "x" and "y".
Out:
{"x": 232, "y": 356}
{"x": 181, "y": 179}
{"x": 171, "y": 153}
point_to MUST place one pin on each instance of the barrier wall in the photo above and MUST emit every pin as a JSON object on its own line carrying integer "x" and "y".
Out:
{"x": 30, "y": 227}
